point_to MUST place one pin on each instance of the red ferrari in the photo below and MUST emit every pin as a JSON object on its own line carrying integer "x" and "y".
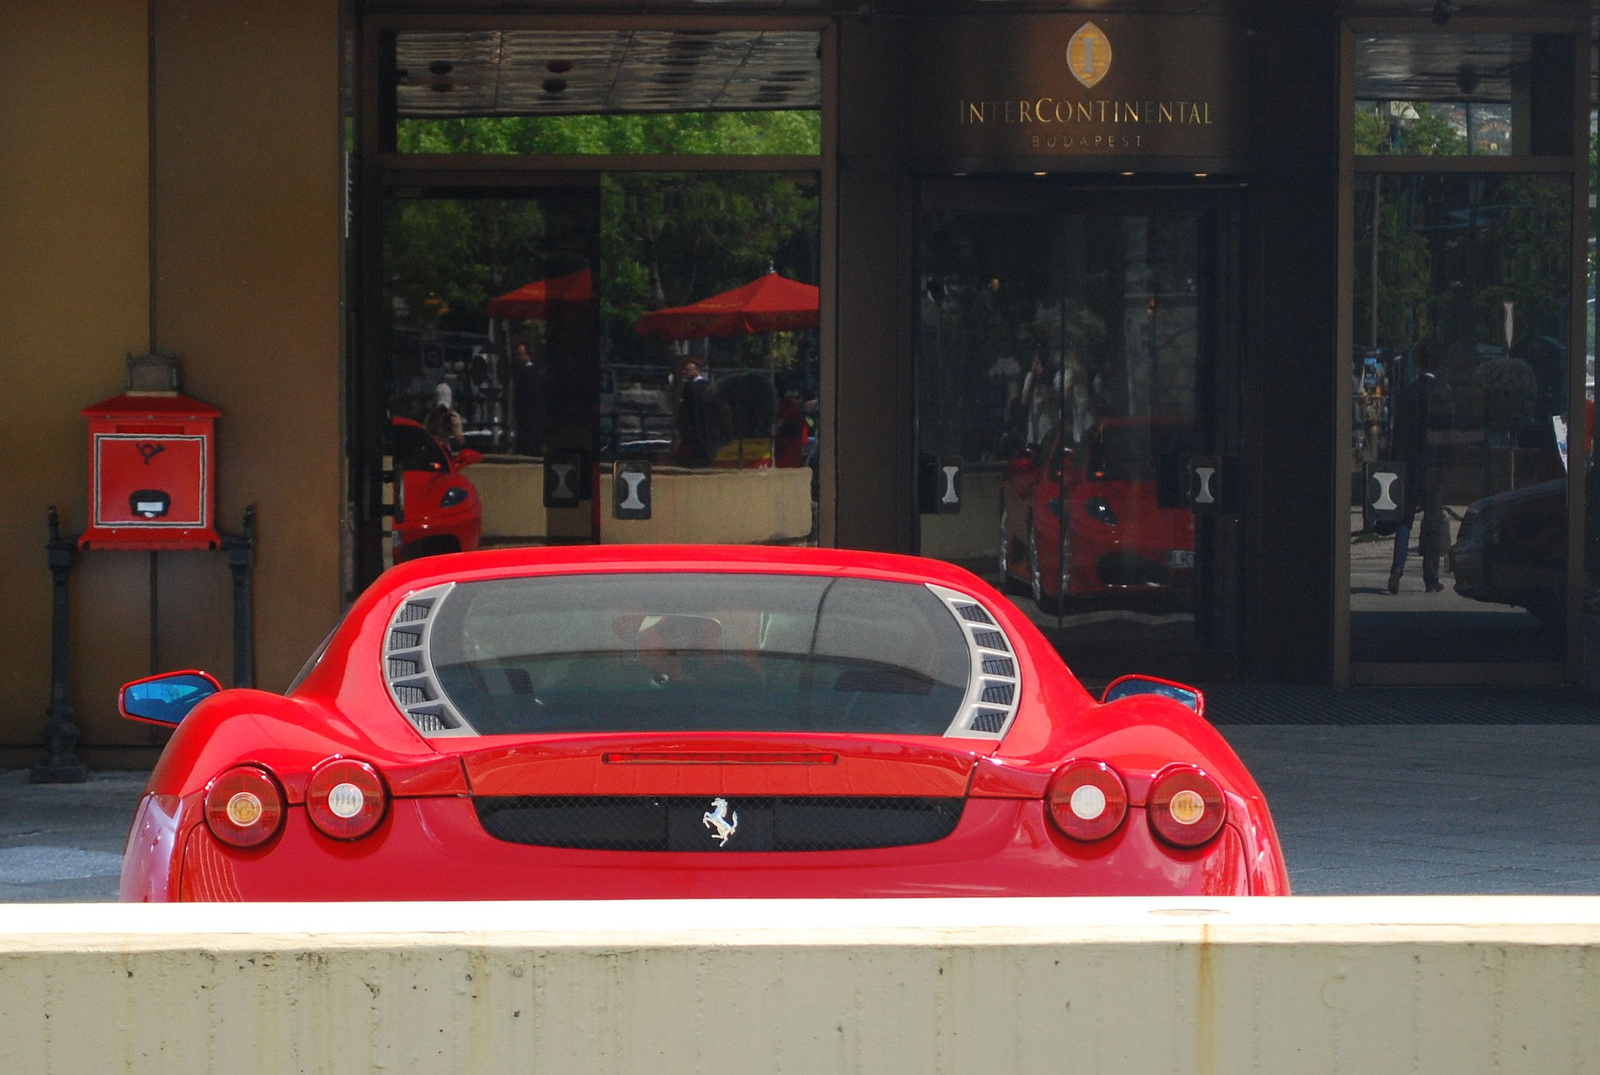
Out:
{"x": 629, "y": 722}
{"x": 441, "y": 511}
{"x": 1091, "y": 522}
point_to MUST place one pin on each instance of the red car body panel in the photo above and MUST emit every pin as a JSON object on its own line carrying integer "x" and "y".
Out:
{"x": 1101, "y": 558}
{"x": 430, "y": 844}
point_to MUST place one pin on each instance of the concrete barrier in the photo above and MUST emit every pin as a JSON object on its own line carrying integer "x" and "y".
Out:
{"x": 1132, "y": 986}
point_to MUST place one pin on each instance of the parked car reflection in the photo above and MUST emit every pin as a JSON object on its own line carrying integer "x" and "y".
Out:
{"x": 1511, "y": 550}
{"x": 1120, "y": 534}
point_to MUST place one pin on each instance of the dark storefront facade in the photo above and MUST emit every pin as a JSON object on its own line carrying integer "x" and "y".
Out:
{"x": 1234, "y": 340}
{"x": 1118, "y": 308}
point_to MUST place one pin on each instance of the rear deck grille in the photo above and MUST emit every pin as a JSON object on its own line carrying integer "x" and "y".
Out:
{"x": 678, "y": 823}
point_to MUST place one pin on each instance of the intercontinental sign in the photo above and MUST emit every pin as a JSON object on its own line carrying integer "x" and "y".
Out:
{"x": 1051, "y": 85}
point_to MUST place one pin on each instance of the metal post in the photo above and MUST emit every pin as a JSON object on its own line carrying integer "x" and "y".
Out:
{"x": 241, "y": 550}
{"x": 60, "y": 735}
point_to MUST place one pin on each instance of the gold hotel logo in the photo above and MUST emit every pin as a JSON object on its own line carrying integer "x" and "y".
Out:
{"x": 1089, "y": 55}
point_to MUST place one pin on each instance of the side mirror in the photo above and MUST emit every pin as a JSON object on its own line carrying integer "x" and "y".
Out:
{"x": 165, "y": 699}
{"x": 466, "y": 457}
{"x": 1128, "y": 686}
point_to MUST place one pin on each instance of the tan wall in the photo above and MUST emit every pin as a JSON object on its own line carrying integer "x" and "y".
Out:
{"x": 1136, "y": 986}
{"x": 246, "y": 215}
{"x": 74, "y": 299}
{"x": 248, "y": 203}
{"x": 769, "y": 504}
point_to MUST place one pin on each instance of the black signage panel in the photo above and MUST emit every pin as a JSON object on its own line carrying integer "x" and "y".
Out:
{"x": 630, "y": 489}
{"x": 1206, "y": 489}
{"x": 1080, "y": 85}
{"x": 939, "y": 485}
{"x": 564, "y": 483}
{"x": 1386, "y": 491}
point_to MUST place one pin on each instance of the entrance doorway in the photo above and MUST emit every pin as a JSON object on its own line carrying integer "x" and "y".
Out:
{"x": 1077, "y": 415}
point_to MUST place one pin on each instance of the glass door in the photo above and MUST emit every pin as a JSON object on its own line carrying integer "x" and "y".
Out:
{"x": 1076, "y": 415}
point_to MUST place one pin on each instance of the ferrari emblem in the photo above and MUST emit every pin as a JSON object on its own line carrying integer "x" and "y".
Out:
{"x": 722, "y": 824}
{"x": 1089, "y": 55}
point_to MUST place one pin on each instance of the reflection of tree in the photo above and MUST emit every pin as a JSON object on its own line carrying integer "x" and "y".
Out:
{"x": 1413, "y": 129}
{"x": 1529, "y": 250}
{"x": 664, "y": 239}
{"x": 1451, "y": 250}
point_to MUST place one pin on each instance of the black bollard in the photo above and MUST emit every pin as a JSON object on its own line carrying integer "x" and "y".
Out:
{"x": 60, "y": 735}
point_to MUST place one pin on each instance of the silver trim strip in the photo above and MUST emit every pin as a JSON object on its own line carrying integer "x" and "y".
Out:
{"x": 978, "y": 718}
{"x": 431, "y": 715}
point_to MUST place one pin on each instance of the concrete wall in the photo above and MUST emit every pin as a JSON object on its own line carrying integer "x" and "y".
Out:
{"x": 1134, "y": 986}
{"x": 172, "y": 181}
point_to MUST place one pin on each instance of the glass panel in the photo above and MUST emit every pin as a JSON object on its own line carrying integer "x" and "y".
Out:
{"x": 609, "y": 91}
{"x": 660, "y": 318}
{"x": 700, "y": 652}
{"x": 1058, "y": 361}
{"x": 1447, "y": 94}
{"x": 1462, "y": 291}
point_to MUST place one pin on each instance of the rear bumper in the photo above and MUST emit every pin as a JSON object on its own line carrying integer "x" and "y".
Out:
{"x": 435, "y": 849}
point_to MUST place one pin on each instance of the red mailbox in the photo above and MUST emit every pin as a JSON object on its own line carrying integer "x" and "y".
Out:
{"x": 152, "y": 473}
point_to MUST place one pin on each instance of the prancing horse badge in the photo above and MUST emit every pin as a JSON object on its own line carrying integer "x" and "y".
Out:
{"x": 720, "y": 821}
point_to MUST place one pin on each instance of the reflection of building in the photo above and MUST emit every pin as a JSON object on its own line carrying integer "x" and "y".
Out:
{"x": 222, "y": 217}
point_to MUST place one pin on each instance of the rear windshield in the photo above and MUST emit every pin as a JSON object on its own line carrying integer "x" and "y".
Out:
{"x": 699, "y": 652}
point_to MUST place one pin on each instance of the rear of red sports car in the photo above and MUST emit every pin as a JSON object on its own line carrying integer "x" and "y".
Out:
{"x": 712, "y": 723}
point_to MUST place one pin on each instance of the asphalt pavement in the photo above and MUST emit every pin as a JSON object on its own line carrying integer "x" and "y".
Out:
{"x": 1374, "y": 792}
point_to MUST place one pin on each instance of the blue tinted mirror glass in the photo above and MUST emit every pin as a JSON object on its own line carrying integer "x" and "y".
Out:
{"x": 1124, "y": 688}
{"x": 166, "y": 700}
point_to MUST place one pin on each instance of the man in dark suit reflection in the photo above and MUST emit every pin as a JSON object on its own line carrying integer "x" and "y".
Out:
{"x": 1422, "y": 414}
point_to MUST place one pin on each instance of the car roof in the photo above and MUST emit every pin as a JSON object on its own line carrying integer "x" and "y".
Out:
{"x": 588, "y": 559}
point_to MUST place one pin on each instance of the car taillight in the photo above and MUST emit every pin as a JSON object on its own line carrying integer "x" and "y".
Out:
{"x": 346, "y": 798}
{"x": 244, "y": 806}
{"x": 1185, "y": 806}
{"x": 1087, "y": 800}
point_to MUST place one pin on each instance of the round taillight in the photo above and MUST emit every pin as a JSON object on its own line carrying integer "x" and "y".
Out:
{"x": 244, "y": 806}
{"x": 1185, "y": 806}
{"x": 346, "y": 798}
{"x": 1087, "y": 800}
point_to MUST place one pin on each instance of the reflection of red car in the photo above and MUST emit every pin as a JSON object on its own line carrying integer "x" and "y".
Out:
{"x": 1118, "y": 538}
{"x": 441, "y": 511}
{"x": 673, "y": 721}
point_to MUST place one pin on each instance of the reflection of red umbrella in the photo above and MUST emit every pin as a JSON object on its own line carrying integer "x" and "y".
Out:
{"x": 531, "y": 301}
{"x": 771, "y": 304}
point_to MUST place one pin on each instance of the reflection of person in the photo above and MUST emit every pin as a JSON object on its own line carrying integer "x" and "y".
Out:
{"x": 1422, "y": 414}
{"x": 1082, "y": 392}
{"x": 527, "y": 397}
{"x": 696, "y": 442}
{"x": 789, "y": 436}
{"x": 442, "y": 422}
{"x": 1040, "y": 401}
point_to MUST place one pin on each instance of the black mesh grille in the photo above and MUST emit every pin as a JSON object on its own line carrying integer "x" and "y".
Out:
{"x": 998, "y": 666}
{"x": 973, "y": 613}
{"x": 997, "y": 693}
{"x": 989, "y": 720}
{"x": 399, "y": 669}
{"x": 990, "y": 640}
{"x": 410, "y": 695}
{"x": 404, "y": 639}
{"x": 414, "y": 611}
{"x": 679, "y": 823}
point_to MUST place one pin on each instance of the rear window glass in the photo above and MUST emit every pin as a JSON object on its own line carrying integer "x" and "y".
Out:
{"x": 699, "y": 652}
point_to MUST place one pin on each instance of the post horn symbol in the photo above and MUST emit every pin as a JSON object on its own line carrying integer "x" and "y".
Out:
{"x": 1089, "y": 55}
